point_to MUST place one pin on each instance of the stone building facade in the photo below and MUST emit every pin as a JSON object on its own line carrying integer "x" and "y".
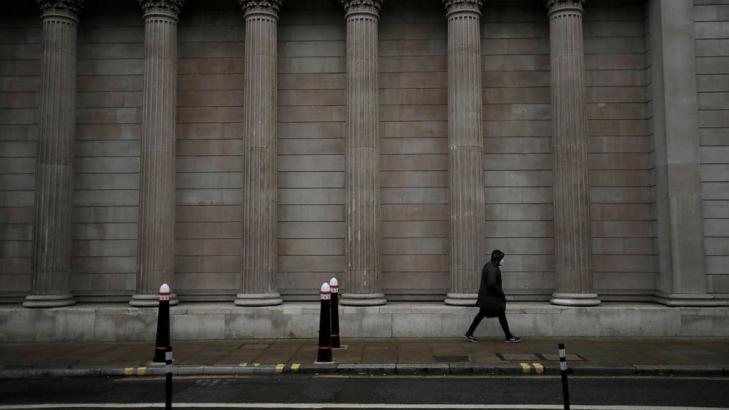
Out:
{"x": 245, "y": 151}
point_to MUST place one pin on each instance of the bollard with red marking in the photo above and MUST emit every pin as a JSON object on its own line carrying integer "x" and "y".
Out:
{"x": 324, "y": 355}
{"x": 163, "y": 324}
{"x": 334, "y": 285}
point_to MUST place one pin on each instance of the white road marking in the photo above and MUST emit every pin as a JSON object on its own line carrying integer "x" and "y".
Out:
{"x": 337, "y": 406}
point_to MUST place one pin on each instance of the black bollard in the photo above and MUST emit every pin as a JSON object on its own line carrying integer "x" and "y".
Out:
{"x": 324, "y": 355}
{"x": 334, "y": 285}
{"x": 163, "y": 324}
{"x": 563, "y": 371}
{"x": 168, "y": 378}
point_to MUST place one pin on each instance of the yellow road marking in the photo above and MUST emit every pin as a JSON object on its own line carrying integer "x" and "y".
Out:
{"x": 279, "y": 368}
{"x": 128, "y": 371}
{"x": 141, "y": 371}
{"x": 525, "y": 368}
{"x": 295, "y": 367}
{"x": 538, "y": 368}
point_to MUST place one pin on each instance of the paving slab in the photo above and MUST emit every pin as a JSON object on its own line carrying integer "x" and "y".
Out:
{"x": 586, "y": 356}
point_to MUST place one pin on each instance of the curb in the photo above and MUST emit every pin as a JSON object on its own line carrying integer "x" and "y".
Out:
{"x": 405, "y": 369}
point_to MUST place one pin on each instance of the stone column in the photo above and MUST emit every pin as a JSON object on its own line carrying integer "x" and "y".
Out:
{"x": 572, "y": 237}
{"x": 682, "y": 280}
{"x": 156, "y": 223}
{"x": 363, "y": 275}
{"x": 53, "y": 176}
{"x": 465, "y": 150}
{"x": 259, "y": 206}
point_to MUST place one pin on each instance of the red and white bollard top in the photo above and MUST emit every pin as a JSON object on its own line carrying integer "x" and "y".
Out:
{"x": 164, "y": 293}
{"x": 334, "y": 285}
{"x": 326, "y": 291}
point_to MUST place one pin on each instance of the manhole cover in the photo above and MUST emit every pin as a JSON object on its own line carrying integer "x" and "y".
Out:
{"x": 447, "y": 359}
{"x": 255, "y": 346}
{"x": 520, "y": 357}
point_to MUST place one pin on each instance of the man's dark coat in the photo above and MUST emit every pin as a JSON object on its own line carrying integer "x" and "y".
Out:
{"x": 490, "y": 294}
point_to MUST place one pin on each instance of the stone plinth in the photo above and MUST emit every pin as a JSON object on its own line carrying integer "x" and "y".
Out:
{"x": 205, "y": 321}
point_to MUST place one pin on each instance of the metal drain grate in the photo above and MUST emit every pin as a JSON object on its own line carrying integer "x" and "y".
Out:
{"x": 448, "y": 359}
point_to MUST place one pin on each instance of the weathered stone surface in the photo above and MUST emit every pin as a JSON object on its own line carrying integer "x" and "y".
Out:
{"x": 54, "y": 166}
{"x": 362, "y": 285}
{"x": 465, "y": 143}
{"x": 259, "y": 193}
{"x": 572, "y": 237}
{"x": 678, "y": 193}
{"x": 117, "y": 323}
{"x": 414, "y": 191}
{"x": 156, "y": 238}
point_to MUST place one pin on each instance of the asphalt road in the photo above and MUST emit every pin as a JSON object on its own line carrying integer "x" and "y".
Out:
{"x": 416, "y": 390}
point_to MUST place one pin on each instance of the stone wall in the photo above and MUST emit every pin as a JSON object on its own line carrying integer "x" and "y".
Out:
{"x": 622, "y": 175}
{"x": 20, "y": 47}
{"x": 311, "y": 117}
{"x": 712, "y": 69}
{"x": 209, "y": 157}
{"x": 107, "y": 149}
{"x": 414, "y": 149}
{"x": 517, "y": 145}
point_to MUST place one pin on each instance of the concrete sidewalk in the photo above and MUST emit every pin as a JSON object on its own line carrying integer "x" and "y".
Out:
{"x": 535, "y": 356}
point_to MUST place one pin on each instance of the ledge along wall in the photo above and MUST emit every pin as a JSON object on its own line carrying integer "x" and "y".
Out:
{"x": 412, "y": 46}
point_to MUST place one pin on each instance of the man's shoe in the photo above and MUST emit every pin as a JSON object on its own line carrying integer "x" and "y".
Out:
{"x": 471, "y": 338}
{"x": 513, "y": 339}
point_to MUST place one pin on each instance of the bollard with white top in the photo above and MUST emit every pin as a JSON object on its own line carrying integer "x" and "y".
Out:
{"x": 334, "y": 285}
{"x": 324, "y": 355}
{"x": 563, "y": 371}
{"x": 163, "y": 324}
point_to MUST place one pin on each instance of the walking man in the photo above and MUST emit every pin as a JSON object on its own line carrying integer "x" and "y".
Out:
{"x": 491, "y": 299}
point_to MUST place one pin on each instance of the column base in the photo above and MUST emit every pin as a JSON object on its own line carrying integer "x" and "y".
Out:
{"x": 461, "y": 299}
{"x": 689, "y": 300}
{"x": 258, "y": 299}
{"x": 575, "y": 299}
{"x": 48, "y": 301}
{"x": 151, "y": 300}
{"x": 363, "y": 299}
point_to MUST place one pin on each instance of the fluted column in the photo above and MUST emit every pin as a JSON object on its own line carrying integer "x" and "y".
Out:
{"x": 362, "y": 285}
{"x": 156, "y": 224}
{"x": 465, "y": 150}
{"x": 54, "y": 188}
{"x": 259, "y": 207}
{"x": 572, "y": 238}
